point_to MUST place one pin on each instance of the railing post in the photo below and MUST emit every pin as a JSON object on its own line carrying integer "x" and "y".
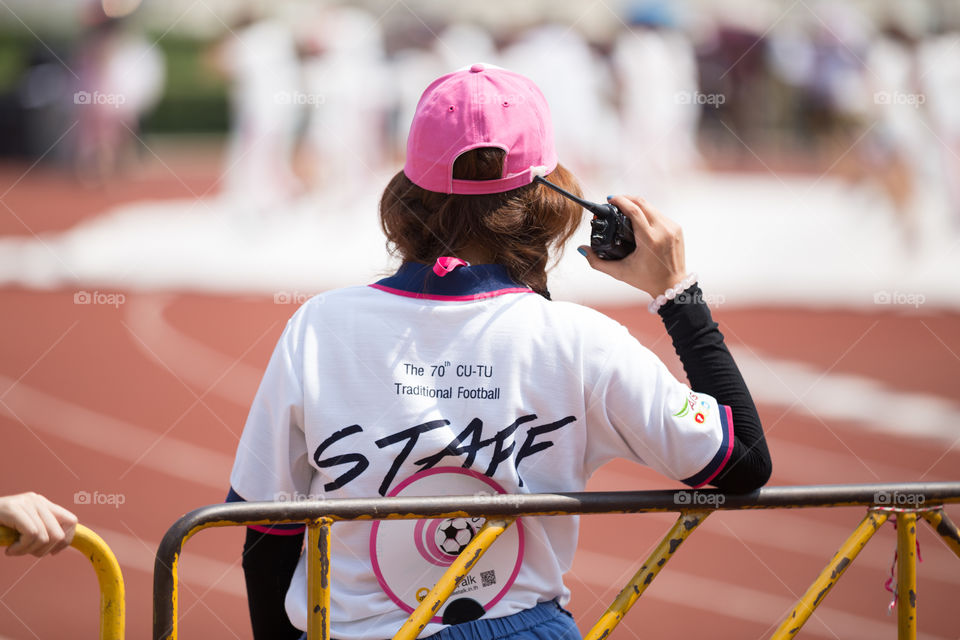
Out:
{"x": 829, "y": 576}
{"x": 681, "y": 529}
{"x": 938, "y": 519}
{"x": 432, "y": 602}
{"x": 166, "y": 581}
{"x": 907, "y": 576}
{"x": 318, "y": 579}
{"x": 109, "y": 577}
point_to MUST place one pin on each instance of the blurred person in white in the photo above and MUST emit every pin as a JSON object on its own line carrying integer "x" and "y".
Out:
{"x": 791, "y": 59}
{"x": 578, "y": 84}
{"x": 898, "y": 149}
{"x": 656, "y": 67}
{"x": 939, "y": 66}
{"x": 346, "y": 98}
{"x": 44, "y": 527}
{"x": 411, "y": 68}
{"x": 120, "y": 77}
{"x": 45, "y": 92}
{"x": 461, "y": 44}
{"x": 851, "y": 79}
{"x": 841, "y": 38}
{"x": 259, "y": 57}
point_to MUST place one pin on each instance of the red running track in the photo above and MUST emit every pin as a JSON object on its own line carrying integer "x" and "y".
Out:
{"x": 145, "y": 400}
{"x": 143, "y": 403}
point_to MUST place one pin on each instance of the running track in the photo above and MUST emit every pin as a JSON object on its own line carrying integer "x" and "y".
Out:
{"x": 146, "y": 400}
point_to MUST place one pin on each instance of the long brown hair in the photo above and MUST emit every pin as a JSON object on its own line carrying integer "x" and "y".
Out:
{"x": 518, "y": 229}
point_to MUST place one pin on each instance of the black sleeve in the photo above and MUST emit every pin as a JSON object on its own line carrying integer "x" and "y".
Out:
{"x": 268, "y": 564}
{"x": 711, "y": 369}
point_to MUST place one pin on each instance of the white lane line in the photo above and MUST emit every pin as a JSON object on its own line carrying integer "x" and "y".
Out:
{"x": 123, "y": 440}
{"x": 199, "y": 572}
{"x": 798, "y": 463}
{"x": 192, "y": 360}
{"x": 723, "y": 598}
{"x": 844, "y": 396}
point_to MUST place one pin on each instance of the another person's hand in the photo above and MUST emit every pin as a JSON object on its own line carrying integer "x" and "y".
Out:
{"x": 658, "y": 262}
{"x": 44, "y": 527}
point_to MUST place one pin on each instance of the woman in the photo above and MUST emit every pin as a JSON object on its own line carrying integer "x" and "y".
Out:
{"x": 458, "y": 375}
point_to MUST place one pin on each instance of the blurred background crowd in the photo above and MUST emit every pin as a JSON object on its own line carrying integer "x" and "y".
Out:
{"x": 308, "y": 95}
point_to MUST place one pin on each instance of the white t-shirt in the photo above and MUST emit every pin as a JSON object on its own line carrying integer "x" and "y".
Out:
{"x": 477, "y": 386}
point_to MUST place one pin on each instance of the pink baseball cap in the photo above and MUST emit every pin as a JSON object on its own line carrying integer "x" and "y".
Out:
{"x": 480, "y": 106}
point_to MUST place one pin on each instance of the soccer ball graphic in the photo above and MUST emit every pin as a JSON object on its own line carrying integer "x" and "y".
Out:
{"x": 454, "y": 534}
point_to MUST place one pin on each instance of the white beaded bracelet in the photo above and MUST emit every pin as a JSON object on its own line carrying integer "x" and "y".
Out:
{"x": 672, "y": 293}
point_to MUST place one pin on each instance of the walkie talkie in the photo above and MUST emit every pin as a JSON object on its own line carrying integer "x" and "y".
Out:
{"x": 611, "y": 232}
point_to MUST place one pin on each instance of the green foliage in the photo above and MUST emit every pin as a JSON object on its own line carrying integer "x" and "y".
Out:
{"x": 195, "y": 94}
{"x": 15, "y": 48}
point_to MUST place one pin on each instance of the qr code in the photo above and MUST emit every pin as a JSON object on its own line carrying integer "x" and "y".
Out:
{"x": 488, "y": 578}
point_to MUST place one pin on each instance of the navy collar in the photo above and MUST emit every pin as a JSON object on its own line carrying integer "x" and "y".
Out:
{"x": 475, "y": 282}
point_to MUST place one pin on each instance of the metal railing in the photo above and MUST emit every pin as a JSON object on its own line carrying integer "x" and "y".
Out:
{"x": 882, "y": 500}
{"x": 112, "y": 603}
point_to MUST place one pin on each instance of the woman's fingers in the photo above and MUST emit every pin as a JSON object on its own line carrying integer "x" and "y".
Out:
{"x": 658, "y": 262}
{"x": 613, "y": 268}
{"x": 68, "y": 524}
{"x": 630, "y": 206}
{"x": 33, "y": 533}
{"x": 18, "y": 519}
{"x": 44, "y": 527}
{"x": 54, "y": 534}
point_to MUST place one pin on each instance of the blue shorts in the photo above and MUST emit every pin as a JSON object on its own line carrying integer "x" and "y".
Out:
{"x": 546, "y": 621}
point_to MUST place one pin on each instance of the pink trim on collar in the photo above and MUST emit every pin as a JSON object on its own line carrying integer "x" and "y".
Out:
{"x": 429, "y": 296}
{"x": 446, "y": 264}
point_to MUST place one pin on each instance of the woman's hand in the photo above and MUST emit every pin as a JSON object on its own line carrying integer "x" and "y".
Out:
{"x": 658, "y": 262}
{"x": 44, "y": 527}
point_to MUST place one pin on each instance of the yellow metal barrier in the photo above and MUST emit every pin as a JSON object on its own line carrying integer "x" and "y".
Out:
{"x": 906, "y": 520}
{"x": 942, "y": 525}
{"x": 456, "y": 572}
{"x": 321, "y": 515}
{"x": 681, "y": 529}
{"x": 907, "y": 576}
{"x": 829, "y": 576}
{"x": 112, "y": 608}
{"x": 318, "y": 582}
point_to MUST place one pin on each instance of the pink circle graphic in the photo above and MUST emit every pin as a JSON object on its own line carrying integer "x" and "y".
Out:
{"x": 424, "y": 539}
{"x": 425, "y": 545}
